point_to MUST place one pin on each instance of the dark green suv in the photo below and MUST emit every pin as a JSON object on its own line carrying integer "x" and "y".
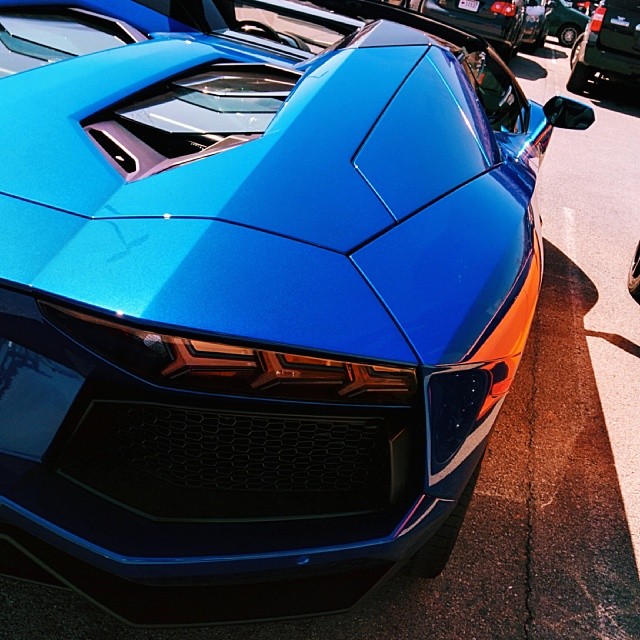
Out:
{"x": 610, "y": 45}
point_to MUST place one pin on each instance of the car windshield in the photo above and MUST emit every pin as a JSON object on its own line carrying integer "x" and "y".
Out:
{"x": 290, "y": 23}
{"x": 298, "y": 23}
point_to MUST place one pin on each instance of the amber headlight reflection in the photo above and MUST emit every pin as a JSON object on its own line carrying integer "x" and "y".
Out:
{"x": 216, "y": 367}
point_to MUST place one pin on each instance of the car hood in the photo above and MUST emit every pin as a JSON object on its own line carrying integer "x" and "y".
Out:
{"x": 284, "y": 182}
{"x": 316, "y": 174}
{"x": 261, "y": 241}
{"x": 198, "y": 275}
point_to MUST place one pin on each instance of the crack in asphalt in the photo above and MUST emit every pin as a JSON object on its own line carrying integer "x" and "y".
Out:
{"x": 530, "y": 501}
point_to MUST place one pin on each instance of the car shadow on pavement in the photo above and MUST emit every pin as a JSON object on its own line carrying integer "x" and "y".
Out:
{"x": 582, "y": 574}
{"x": 618, "y": 341}
{"x": 527, "y": 69}
{"x": 545, "y": 552}
{"x": 616, "y": 96}
{"x": 549, "y": 53}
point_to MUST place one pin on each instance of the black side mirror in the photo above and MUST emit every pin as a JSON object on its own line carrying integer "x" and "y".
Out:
{"x": 568, "y": 114}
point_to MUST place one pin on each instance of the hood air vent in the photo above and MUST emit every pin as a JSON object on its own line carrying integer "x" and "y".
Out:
{"x": 191, "y": 118}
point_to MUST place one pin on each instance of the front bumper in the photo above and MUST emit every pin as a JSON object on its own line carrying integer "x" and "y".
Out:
{"x": 138, "y": 604}
{"x": 138, "y": 579}
{"x": 151, "y": 568}
{"x": 301, "y": 590}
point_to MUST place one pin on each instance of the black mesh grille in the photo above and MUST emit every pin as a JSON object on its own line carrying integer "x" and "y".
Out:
{"x": 174, "y": 462}
{"x": 226, "y": 451}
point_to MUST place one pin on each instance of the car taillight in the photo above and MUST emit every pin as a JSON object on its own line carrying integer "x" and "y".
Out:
{"x": 504, "y": 8}
{"x": 215, "y": 367}
{"x": 597, "y": 19}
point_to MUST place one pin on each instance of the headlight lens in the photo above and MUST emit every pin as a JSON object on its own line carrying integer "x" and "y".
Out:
{"x": 460, "y": 399}
{"x": 216, "y": 367}
{"x": 455, "y": 399}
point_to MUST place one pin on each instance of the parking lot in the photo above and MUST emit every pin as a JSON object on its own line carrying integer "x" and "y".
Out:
{"x": 551, "y": 544}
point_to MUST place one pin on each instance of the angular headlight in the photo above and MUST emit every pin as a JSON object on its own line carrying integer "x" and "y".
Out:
{"x": 216, "y": 367}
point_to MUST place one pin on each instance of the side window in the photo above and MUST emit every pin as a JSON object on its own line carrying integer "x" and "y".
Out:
{"x": 500, "y": 97}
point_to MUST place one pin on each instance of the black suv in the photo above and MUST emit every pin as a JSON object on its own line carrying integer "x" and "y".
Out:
{"x": 500, "y": 22}
{"x": 610, "y": 45}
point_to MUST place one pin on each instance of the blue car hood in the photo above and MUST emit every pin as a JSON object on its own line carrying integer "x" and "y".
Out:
{"x": 199, "y": 275}
{"x": 284, "y": 182}
{"x": 325, "y": 170}
{"x": 256, "y": 242}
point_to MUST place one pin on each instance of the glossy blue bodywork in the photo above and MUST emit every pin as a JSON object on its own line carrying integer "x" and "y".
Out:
{"x": 485, "y": 227}
{"x": 379, "y": 218}
{"x": 311, "y": 140}
{"x": 453, "y": 155}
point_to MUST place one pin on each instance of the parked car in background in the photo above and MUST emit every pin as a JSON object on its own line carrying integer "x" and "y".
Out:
{"x": 535, "y": 28}
{"x": 610, "y": 46}
{"x": 586, "y": 6}
{"x": 566, "y": 23}
{"x": 500, "y": 22}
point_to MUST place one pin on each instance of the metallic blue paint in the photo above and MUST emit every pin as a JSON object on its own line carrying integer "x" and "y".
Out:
{"x": 475, "y": 118}
{"x": 133, "y": 13}
{"x": 445, "y": 272}
{"x": 54, "y": 99}
{"x": 176, "y": 273}
{"x": 311, "y": 140}
{"x": 378, "y": 218}
{"x": 438, "y": 151}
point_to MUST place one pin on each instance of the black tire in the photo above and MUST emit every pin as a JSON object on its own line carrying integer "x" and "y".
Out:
{"x": 432, "y": 558}
{"x": 634, "y": 276}
{"x": 575, "y": 50}
{"x": 568, "y": 34}
{"x": 577, "y": 81}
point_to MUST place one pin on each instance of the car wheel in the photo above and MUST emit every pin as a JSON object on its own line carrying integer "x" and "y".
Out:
{"x": 567, "y": 34}
{"x": 432, "y": 558}
{"x": 577, "y": 81}
{"x": 634, "y": 276}
{"x": 575, "y": 50}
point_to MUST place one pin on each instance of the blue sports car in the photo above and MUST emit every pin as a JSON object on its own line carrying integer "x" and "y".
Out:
{"x": 267, "y": 271}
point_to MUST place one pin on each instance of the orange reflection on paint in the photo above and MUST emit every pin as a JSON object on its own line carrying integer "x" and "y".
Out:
{"x": 503, "y": 348}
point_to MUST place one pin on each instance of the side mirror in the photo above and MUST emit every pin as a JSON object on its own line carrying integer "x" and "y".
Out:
{"x": 568, "y": 114}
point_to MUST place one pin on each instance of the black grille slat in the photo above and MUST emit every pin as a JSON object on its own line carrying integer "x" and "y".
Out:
{"x": 193, "y": 449}
{"x": 188, "y": 462}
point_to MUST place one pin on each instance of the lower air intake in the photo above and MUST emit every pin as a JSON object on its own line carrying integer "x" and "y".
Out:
{"x": 176, "y": 462}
